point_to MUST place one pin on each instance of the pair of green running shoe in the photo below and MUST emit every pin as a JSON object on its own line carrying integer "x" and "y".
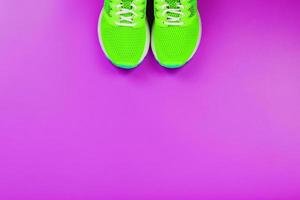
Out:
{"x": 124, "y": 33}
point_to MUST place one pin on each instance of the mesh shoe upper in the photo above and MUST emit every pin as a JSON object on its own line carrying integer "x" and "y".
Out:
{"x": 123, "y": 45}
{"x": 174, "y": 45}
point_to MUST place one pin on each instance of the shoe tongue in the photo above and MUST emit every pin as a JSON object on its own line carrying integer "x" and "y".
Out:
{"x": 172, "y": 3}
{"x": 127, "y": 3}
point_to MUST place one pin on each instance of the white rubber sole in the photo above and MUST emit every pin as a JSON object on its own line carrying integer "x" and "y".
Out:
{"x": 146, "y": 48}
{"x": 192, "y": 55}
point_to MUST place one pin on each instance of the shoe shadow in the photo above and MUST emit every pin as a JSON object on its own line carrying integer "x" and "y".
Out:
{"x": 150, "y": 12}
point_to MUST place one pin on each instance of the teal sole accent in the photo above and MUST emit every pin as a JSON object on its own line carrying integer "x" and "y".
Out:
{"x": 173, "y": 66}
{"x": 126, "y": 66}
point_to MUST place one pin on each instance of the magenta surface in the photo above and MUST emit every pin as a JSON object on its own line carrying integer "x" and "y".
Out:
{"x": 226, "y": 126}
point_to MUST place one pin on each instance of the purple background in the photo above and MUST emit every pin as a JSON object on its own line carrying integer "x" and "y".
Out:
{"x": 226, "y": 126}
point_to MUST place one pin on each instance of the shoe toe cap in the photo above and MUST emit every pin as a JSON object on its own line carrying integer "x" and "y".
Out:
{"x": 174, "y": 46}
{"x": 124, "y": 46}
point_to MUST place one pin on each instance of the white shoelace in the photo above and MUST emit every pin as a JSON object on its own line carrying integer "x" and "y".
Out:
{"x": 172, "y": 20}
{"x": 126, "y": 20}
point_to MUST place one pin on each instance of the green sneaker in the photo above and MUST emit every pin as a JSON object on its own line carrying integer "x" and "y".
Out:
{"x": 176, "y": 31}
{"x": 123, "y": 32}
